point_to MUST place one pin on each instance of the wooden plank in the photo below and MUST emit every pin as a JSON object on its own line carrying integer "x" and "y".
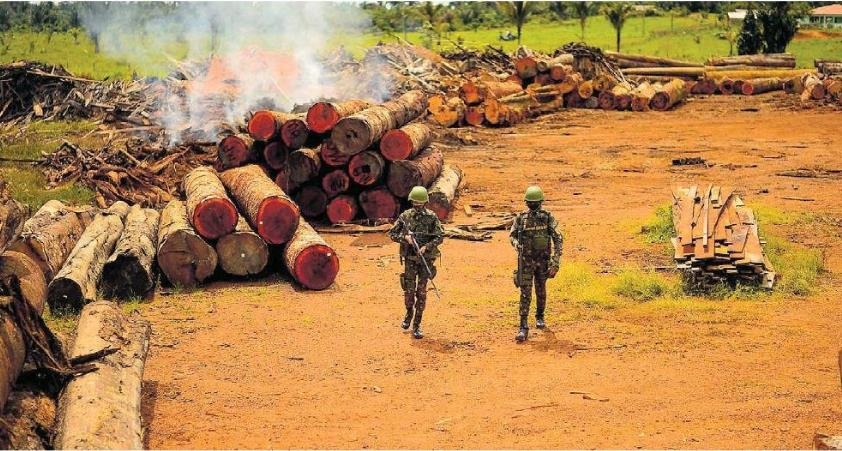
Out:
{"x": 753, "y": 250}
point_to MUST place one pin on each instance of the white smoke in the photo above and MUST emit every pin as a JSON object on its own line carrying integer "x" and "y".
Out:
{"x": 264, "y": 53}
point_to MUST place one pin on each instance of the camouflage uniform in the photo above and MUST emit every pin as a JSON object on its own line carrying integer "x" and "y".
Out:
{"x": 534, "y": 231}
{"x": 426, "y": 227}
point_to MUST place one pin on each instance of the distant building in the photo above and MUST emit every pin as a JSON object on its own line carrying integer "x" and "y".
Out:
{"x": 737, "y": 14}
{"x": 828, "y": 16}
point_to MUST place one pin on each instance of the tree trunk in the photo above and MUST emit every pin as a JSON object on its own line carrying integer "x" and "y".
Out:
{"x": 444, "y": 189}
{"x": 323, "y": 116}
{"x": 128, "y": 272}
{"x": 282, "y": 179}
{"x": 304, "y": 165}
{"x": 406, "y": 142}
{"x": 367, "y": 168}
{"x": 693, "y": 72}
{"x": 13, "y": 214}
{"x": 50, "y": 235}
{"x": 620, "y": 58}
{"x": 275, "y": 155}
{"x": 526, "y": 67}
{"x": 33, "y": 284}
{"x": 265, "y": 125}
{"x": 309, "y": 259}
{"x": 469, "y": 93}
{"x": 641, "y": 96}
{"x": 603, "y": 82}
{"x": 726, "y": 86}
{"x": 560, "y": 72}
{"x": 447, "y": 113}
{"x": 210, "y": 210}
{"x": 768, "y": 60}
{"x": 331, "y": 156}
{"x": 794, "y": 85}
{"x": 570, "y": 83}
{"x": 358, "y": 132}
{"x": 761, "y": 85}
{"x": 265, "y": 205}
{"x": 101, "y": 409}
{"x": 404, "y": 175}
{"x": 242, "y": 252}
{"x": 671, "y": 93}
{"x": 312, "y": 201}
{"x": 294, "y": 132}
{"x": 586, "y": 89}
{"x": 237, "y": 150}
{"x": 705, "y": 86}
{"x": 183, "y": 256}
{"x": 379, "y": 203}
{"x": 341, "y": 209}
{"x": 813, "y": 88}
{"x": 474, "y": 94}
{"x": 475, "y": 115}
{"x": 336, "y": 182}
{"x": 76, "y": 282}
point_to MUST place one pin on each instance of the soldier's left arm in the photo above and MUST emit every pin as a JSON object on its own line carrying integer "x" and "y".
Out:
{"x": 397, "y": 231}
{"x": 558, "y": 239}
{"x": 438, "y": 233}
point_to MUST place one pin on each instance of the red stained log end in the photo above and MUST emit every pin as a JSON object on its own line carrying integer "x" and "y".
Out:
{"x": 214, "y": 218}
{"x": 396, "y": 145}
{"x": 277, "y": 219}
{"x": 316, "y": 267}
{"x": 321, "y": 117}
{"x": 262, "y": 126}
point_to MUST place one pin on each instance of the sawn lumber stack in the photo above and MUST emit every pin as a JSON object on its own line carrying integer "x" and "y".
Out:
{"x": 717, "y": 240}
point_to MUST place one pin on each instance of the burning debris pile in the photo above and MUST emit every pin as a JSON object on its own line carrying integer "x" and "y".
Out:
{"x": 717, "y": 239}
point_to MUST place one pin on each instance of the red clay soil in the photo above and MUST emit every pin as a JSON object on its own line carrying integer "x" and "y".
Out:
{"x": 265, "y": 365}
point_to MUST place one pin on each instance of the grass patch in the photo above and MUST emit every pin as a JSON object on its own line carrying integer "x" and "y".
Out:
{"x": 799, "y": 268}
{"x": 28, "y": 185}
{"x": 62, "y": 324}
{"x": 41, "y": 137}
{"x": 659, "y": 229}
{"x": 642, "y": 286}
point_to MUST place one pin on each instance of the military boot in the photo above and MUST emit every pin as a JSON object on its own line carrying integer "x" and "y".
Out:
{"x": 539, "y": 322}
{"x": 539, "y": 314}
{"x": 523, "y": 333}
{"x": 408, "y": 301}
{"x": 407, "y": 319}
{"x": 416, "y": 325}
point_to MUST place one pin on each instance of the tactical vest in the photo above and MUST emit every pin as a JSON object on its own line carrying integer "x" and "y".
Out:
{"x": 423, "y": 225}
{"x": 535, "y": 232}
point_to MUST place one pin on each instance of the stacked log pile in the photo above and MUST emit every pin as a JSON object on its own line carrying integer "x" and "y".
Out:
{"x": 357, "y": 161}
{"x": 717, "y": 239}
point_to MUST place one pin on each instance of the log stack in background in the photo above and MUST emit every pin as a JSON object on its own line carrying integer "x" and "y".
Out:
{"x": 717, "y": 238}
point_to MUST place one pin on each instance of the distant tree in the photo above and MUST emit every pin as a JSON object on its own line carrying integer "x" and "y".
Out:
{"x": 583, "y": 10}
{"x": 750, "y": 40}
{"x": 617, "y": 13}
{"x": 517, "y": 12}
{"x": 779, "y": 24}
{"x": 561, "y": 10}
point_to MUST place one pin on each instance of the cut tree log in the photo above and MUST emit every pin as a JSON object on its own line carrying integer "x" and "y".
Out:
{"x": 128, "y": 271}
{"x": 367, "y": 168}
{"x": 101, "y": 409}
{"x": 275, "y": 155}
{"x": 342, "y": 209}
{"x": 294, "y": 132}
{"x": 283, "y": 181}
{"x": 688, "y": 71}
{"x": 665, "y": 62}
{"x": 794, "y": 85}
{"x": 76, "y": 282}
{"x": 474, "y": 94}
{"x": 705, "y": 86}
{"x": 761, "y": 85}
{"x": 406, "y": 174}
{"x": 526, "y": 67}
{"x": 242, "y": 252}
{"x": 406, "y": 142}
{"x": 336, "y": 182}
{"x": 726, "y": 86}
{"x": 475, "y": 115}
{"x": 311, "y": 200}
{"x": 641, "y": 96}
{"x": 323, "y": 116}
{"x": 603, "y": 82}
{"x": 749, "y": 74}
{"x": 447, "y": 113}
{"x": 358, "y": 132}
{"x": 613, "y": 98}
{"x": 33, "y": 284}
{"x": 309, "y": 259}
{"x": 443, "y": 191}
{"x": 183, "y": 256}
{"x": 267, "y": 207}
{"x": 237, "y": 150}
{"x": 265, "y": 125}
{"x": 585, "y": 89}
{"x": 669, "y": 95}
{"x": 210, "y": 210}
{"x": 784, "y": 60}
{"x": 51, "y": 234}
{"x": 813, "y": 88}
{"x": 304, "y": 165}
{"x": 570, "y": 83}
{"x": 379, "y": 203}
{"x": 331, "y": 156}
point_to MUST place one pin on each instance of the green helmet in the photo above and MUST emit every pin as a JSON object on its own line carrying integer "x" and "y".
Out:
{"x": 419, "y": 194}
{"x": 534, "y": 194}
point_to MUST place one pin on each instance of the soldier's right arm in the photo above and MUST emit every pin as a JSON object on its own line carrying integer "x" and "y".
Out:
{"x": 397, "y": 231}
{"x": 513, "y": 233}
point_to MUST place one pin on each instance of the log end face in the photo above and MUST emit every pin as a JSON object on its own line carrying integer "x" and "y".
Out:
{"x": 350, "y": 136}
{"x": 275, "y": 155}
{"x": 125, "y": 278}
{"x": 342, "y": 209}
{"x": 396, "y": 145}
{"x": 242, "y": 254}
{"x": 214, "y": 218}
{"x": 322, "y": 117}
{"x": 294, "y": 133}
{"x": 316, "y": 267}
{"x": 186, "y": 259}
{"x": 262, "y": 126}
{"x": 65, "y": 296}
{"x": 277, "y": 220}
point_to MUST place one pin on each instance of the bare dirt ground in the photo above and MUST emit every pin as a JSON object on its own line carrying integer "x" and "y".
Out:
{"x": 263, "y": 365}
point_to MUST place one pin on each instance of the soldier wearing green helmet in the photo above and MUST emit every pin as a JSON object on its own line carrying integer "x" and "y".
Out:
{"x": 535, "y": 236}
{"x": 417, "y": 226}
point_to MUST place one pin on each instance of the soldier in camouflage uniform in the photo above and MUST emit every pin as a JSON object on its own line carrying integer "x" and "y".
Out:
{"x": 533, "y": 231}
{"x": 424, "y": 226}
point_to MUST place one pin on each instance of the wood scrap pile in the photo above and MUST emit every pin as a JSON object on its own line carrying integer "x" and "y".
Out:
{"x": 136, "y": 170}
{"x": 816, "y": 88}
{"x": 344, "y": 161}
{"x": 717, "y": 239}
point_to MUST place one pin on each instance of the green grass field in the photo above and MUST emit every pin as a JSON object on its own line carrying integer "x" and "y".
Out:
{"x": 693, "y": 38}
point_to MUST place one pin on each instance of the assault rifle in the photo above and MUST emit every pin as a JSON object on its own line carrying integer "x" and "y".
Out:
{"x": 414, "y": 243}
